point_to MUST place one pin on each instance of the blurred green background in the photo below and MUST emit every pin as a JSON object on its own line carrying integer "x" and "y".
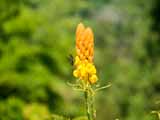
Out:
{"x": 37, "y": 36}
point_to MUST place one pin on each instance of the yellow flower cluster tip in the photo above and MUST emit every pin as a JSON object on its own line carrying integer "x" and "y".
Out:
{"x": 84, "y": 67}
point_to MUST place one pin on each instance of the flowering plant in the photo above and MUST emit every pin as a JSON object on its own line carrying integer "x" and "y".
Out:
{"x": 85, "y": 70}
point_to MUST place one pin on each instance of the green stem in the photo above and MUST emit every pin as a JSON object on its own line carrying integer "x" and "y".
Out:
{"x": 89, "y": 99}
{"x": 159, "y": 115}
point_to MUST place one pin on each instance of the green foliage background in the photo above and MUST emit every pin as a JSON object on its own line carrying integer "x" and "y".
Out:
{"x": 37, "y": 36}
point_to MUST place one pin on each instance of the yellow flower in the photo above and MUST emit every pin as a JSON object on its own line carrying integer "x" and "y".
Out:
{"x": 77, "y": 61}
{"x": 93, "y": 79}
{"x": 84, "y": 67}
{"x": 76, "y": 73}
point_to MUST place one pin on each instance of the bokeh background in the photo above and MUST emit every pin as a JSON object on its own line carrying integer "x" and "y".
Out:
{"x": 37, "y": 36}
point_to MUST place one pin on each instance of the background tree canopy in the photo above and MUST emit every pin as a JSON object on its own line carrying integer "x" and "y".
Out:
{"x": 37, "y": 36}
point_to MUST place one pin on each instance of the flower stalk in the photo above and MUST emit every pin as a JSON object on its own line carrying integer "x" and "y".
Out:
{"x": 89, "y": 100}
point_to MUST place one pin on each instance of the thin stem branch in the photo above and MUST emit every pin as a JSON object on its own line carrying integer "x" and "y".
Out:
{"x": 104, "y": 87}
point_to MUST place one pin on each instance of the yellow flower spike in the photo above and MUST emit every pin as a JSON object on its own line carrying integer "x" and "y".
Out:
{"x": 84, "y": 67}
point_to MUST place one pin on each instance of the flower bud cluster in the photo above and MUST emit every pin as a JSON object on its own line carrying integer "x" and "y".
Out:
{"x": 84, "y": 67}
